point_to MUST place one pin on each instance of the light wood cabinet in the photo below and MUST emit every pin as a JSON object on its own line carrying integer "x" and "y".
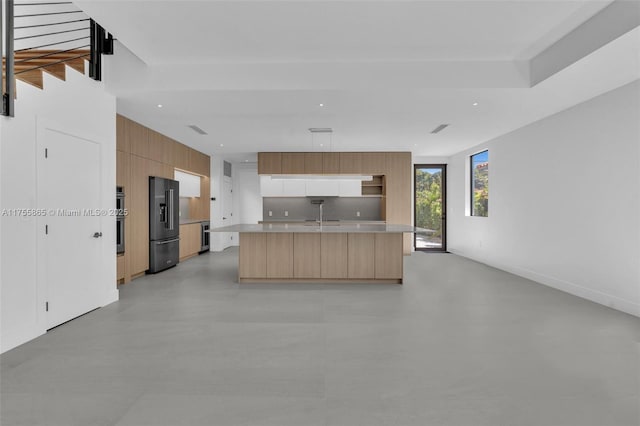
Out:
{"x": 156, "y": 146}
{"x": 279, "y": 255}
{"x": 181, "y": 156}
{"x": 253, "y": 255}
{"x": 313, "y": 163}
{"x": 198, "y": 163}
{"x": 269, "y": 163}
{"x": 398, "y": 192}
{"x": 388, "y": 256}
{"x": 190, "y": 240}
{"x": 361, "y": 254}
{"x": 142, "y": 152}
{"x": 333, "y": 256}
{"x": 122, "y": 134}
{"x": 199, "y": 207}
{"x": 306, "y": 255}
{"x": 351, "y": 163}
{"x": 374, "y": 163}
{"x": 138, "y": 139}
{"x": 122, "y": 169}
{"x": 330, "y": 163}
{"x": 293, "y": 163}
{"x": 138, "y": 220}
{"x": 321, "y": 256}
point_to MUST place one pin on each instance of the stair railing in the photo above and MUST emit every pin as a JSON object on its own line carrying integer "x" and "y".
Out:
{"x": 66, "y": 33}
{"x": 6, "y": 44}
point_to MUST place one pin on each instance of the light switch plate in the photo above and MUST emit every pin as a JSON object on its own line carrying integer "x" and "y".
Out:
{"x": 286, "y": 213}
{"x": 270, "y": 213}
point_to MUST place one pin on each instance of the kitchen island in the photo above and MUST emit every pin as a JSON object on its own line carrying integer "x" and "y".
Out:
{"x": 329, "y": 252}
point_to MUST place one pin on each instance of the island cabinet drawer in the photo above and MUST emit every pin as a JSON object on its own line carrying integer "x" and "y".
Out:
{"x": 333, "y": 256}
{"x": 253, "y": 255}
{"x": 279, "y": 252}
{"x": 306, "y": 255}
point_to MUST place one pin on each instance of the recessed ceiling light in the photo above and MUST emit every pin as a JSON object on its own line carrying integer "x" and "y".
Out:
{"x": 221, "y": 144}
{"x": 159, "y": 105}
{"x": 475, "y": 104}
{"x": 321, "y": 105}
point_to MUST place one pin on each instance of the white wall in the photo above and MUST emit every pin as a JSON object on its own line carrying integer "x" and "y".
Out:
{"x": 564, "y": 201}
{"x": 247, "y": 200}
{"x": 79, "y": 106}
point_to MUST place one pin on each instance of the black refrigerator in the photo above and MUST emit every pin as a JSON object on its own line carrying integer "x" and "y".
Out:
{"x": 164, "y": 223}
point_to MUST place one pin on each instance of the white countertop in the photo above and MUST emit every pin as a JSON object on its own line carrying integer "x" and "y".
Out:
{"x": 327, "y": 228}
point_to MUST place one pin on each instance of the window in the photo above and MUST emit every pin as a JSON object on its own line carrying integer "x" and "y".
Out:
{"x": 480, "y": 184}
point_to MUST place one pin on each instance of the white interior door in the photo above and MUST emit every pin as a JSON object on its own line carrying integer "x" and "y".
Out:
{"x": 227, "y": 211}
{"x": 69, "y": 190}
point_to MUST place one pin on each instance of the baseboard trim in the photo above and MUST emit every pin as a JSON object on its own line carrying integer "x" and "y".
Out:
{"x": 596, "y": 296}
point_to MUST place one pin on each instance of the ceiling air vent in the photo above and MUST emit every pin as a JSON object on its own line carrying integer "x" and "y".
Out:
{"x": 227, "y": 168}
{"x": 197, "y": 129}
{"x": 439, "y": 128}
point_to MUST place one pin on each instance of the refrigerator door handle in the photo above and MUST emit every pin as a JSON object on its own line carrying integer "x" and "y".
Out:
{"x": 170, "y": 207}
{"x": 167, "y": 242}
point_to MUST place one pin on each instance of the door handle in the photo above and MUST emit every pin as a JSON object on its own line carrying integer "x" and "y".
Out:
{"x": 167, "y": 242}
{"x": 223, "y": 218}
{"x": 97, "y": 234}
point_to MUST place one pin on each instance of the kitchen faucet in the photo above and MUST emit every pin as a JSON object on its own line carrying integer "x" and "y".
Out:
{"x": 320, "y": 203}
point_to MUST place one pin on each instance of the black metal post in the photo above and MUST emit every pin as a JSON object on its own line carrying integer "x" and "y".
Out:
{"x": 107, "y": 44}
{"x": 1, "y": 50}
{"x": 8, "y": 93}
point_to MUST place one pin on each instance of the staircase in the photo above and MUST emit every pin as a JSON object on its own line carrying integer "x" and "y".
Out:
{"x": 30, "y": 65}
{"x": 50, "y": 36}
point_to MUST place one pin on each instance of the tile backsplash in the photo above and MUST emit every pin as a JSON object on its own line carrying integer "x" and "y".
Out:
{"x": 335, "y": 208}
{"x": 184, "y": 208}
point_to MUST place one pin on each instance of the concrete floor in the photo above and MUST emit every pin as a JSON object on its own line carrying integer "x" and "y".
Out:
{"x": 459, "y": 344}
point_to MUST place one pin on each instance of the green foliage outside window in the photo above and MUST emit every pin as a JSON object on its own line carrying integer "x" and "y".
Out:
{"x": 480, "y": 184}
{"x": 429, "y": 201}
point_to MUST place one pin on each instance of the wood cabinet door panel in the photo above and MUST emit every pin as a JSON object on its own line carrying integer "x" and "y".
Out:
{"x": 306, "y": 255}
{"x": 293, "y": 163}
{"x": 269, "y": 163}
{"x": 313, "y": 163}
{"x": 334, "y": 256}
{"x": 122, "y": 134}
{"x": 279, "y": 255}
{"x": 361, "y": 253}
{"x": 156, "y": 146}
{"x": 330, "y": 162}
{"x": 388, "y": 256}
{"x": 374, "y": 163}
{"x": 181, "y": 156}
{"x": 123, "y": 169}
{"x": 253, "y": 255}
{"x": 138, "y": 139}
{"x": 351, "y": 163}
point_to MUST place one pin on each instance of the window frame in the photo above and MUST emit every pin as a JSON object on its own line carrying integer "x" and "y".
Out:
{"x": 472, "y": 212}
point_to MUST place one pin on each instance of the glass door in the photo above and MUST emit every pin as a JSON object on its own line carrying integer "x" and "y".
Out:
{"x": 430, "y": 195}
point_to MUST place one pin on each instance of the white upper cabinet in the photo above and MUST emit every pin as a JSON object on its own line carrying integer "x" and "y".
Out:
{"x": 350, "y": 188}
{"x": 294, "y": 188}
{"x": 270, "y": 187}
{"x": 189, "y": 184}
{"x": 309, "y": 187}
{"x": 323, "y": 187}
